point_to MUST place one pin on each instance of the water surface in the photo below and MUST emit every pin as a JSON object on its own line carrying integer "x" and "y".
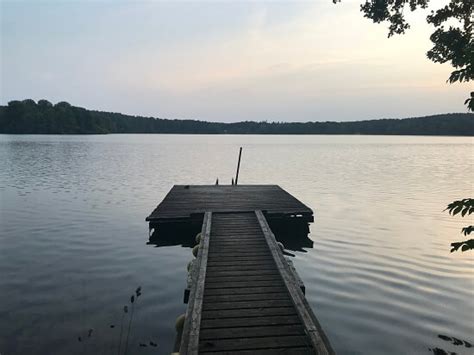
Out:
{"x": 379, "y": 277}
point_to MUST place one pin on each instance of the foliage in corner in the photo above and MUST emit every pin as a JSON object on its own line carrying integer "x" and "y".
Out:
{"x": 453, "y": 43}
{"x": 464, "y": 207}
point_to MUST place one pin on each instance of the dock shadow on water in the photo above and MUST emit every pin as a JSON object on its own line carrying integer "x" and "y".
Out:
{"x": 174, "y": 234}
{"x": 292, "y": 234}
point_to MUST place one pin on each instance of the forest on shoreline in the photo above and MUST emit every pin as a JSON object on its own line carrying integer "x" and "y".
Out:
{"x": 42, "y": 117}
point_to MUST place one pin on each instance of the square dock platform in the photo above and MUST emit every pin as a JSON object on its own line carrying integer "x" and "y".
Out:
{"x": 184, "y": 202}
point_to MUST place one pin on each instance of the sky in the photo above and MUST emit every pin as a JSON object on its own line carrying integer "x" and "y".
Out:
{"x": 222, "y": 60}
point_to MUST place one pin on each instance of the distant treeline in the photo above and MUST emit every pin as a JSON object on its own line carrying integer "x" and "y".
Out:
{"x": 29, "y": 117}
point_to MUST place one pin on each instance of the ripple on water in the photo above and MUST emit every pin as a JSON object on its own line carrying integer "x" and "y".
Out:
{"x": 380, "y": 277}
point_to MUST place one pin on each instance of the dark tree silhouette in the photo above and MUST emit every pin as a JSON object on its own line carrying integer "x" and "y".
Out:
{"x": 452, "y": 38}
{"x": 20, "y": 117}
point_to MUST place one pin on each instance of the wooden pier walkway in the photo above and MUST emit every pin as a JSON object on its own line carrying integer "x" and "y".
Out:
{"x": 245, "y": 297}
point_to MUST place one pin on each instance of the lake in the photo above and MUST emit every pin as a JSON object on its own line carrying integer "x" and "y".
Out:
{"x": 380, "y": 276}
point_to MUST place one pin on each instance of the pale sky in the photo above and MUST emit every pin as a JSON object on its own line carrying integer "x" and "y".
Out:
{"x": 222, "y": 60}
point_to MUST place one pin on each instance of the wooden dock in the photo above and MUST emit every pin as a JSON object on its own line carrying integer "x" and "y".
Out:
{"x": 245, "y": 297}
{"x": 185, "y": 202}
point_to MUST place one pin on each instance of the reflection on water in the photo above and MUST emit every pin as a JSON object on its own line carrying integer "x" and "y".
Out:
{"x": 175, "y": 234}
{"x": 293, "y": 233}
{"x": 377, "y": 267}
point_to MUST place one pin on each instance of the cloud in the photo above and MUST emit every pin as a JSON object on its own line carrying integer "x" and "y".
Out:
{"x": 223, "y": 61}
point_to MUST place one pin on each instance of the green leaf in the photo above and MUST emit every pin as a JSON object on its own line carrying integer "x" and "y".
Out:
{"x": 455, "y": 246}
{"x": 464, "y": 245}
{"x": 457, "y": 210}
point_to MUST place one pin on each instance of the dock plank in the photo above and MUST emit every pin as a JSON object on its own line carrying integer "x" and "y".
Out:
{"x": 250, "y": 321}
{"x": 252, "y": 312}
{"x": 270, "y": 342}
{"x": 247, "y": 297}
{"x": 261, "y": 331}
{"x": 229, "y": 283}
{"x": 247, "y": 304}
{"x": 273, "y": 351}
{"x": 239, "y": 278}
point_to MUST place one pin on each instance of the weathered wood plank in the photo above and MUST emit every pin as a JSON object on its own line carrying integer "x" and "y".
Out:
{"x": 244, "y": 273}
{"x": 250, "y": 321}
{"x": 247, "y": 297}
{"x": 273, "y": 351}
{"x": 232, "y": 262}
{"x": 229, "y": 252}
{"x": 251, "y": 332}
{"x": 242, "y": 258}
{"x": 229, "y": 233}
{"x": 247, "y": 304}
{"x": 224, "y": 268}
{"x": 254, "y": 343}
{"x": 243, "y": 250}
{"x": 239, "y": 278}
{"x": 245, "y": 246}
{"x": 244, "y": 291}
{"x": 244, "y": 284}
{"x": 254, "y": 312}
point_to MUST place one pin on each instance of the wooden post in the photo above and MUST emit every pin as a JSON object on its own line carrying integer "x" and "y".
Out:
{"x": 238, "y": 167}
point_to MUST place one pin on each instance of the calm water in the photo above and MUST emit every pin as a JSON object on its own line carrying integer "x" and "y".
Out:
{"x": 380, "y": 277}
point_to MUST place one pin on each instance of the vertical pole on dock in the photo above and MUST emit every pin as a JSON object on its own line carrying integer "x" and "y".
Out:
{"x": 238, "y": 167}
